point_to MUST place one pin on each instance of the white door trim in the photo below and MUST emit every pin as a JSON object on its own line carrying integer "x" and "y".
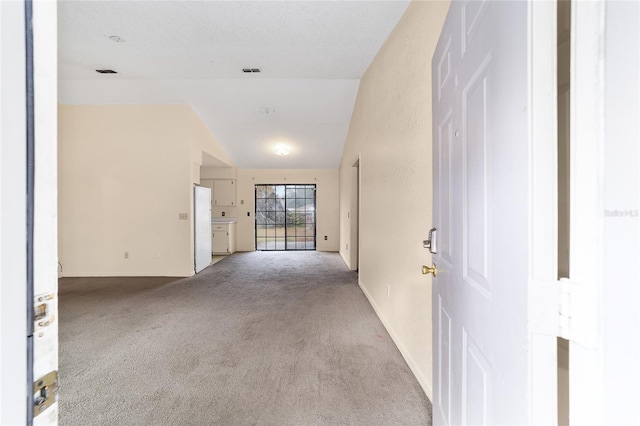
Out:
{"x": 543, "y": 261}
{"x": 587, "y": 133}
{"x": 605, "y": 330}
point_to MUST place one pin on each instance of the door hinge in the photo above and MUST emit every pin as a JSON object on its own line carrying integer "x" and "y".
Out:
{"x": 43, "y": 310}
{"x": 564, "y": 308}
{"x": 577, "y": 313}
{"x": 45, "y": 392}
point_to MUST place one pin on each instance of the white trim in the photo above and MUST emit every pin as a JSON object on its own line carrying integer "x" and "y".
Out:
{"x": 586, "y": 227}
{"x": 543, "y": 212}
{"x": 413, "y": 365}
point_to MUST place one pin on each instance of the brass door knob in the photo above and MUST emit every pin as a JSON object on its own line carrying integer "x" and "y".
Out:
{"x": 426, "y": 270}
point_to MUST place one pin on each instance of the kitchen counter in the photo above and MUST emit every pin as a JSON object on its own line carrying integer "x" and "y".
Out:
{"x": 223, "y": 220}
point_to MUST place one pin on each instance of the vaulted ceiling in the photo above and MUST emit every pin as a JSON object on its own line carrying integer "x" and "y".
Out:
{"x": 311, "y": 55}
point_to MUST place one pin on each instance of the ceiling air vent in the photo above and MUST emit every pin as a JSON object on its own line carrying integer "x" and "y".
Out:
{"x": 248, "y": 70}
{"x": 267, "y": 110}
{"x": 107, "y": 71}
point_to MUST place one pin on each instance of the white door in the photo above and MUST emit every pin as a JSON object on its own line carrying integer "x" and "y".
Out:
{"x": 202, "y": 227}
{"x": 487, "y": 172}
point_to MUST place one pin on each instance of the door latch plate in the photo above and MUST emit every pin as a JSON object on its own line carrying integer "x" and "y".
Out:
{"x": 45, "y": 392}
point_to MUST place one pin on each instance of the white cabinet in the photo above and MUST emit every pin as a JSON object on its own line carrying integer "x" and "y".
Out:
{"x": 224, "y": 192}
{"x": 223, "y": 238}
{"x": 209, "y": 184}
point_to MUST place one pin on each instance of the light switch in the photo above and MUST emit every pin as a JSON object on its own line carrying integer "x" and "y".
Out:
{"x": 183, "y": 216}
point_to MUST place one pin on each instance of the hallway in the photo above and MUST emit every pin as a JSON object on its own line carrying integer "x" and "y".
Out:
{"x": 258, "y": 338}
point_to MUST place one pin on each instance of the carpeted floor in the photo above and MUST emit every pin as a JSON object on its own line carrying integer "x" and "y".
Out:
{"x": 261, "y": 338}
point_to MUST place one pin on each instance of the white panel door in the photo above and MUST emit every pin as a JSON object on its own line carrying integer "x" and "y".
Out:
{"x": 202, "y": 227}
{"x": 482, "y": 174}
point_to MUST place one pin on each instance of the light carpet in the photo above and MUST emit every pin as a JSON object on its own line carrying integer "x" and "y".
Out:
{"x": 260, "y": 338}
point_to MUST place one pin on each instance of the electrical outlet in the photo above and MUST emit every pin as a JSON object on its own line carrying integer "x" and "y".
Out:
{"x": 249, "y": 214}
{"x": 326, "y": 238}
{"x": 241, "y": 201}
{"x": 223, "y": 213}
{"x": 126, "y": 254}
{"x": 183, "y": 216}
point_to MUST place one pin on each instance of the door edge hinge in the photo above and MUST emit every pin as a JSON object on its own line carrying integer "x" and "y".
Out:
{"x": 577, "y": 313}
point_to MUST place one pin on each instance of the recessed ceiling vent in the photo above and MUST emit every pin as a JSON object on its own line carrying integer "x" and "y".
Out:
{"x": 107, "y": 71}
{"x": 248, "y": 70}
{"x": 267, "y": 110}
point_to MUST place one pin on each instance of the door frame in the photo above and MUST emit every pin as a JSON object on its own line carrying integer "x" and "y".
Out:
{"x": 543, "y": 262}
{"x": 17, "y": 368}
{"x": 594, "y": 276}
{"x": 13, "y": 218}
{"x": 586, "y": 123}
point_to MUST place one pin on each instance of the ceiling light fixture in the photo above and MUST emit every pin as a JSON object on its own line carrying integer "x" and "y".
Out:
{"x": 117, "y": 39}
{"x": 250, "y": 70}
{"x": 282, "y": 149}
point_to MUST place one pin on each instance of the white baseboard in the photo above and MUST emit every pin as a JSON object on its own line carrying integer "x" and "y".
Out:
{"x": 413, "y": 365}
{"x": 110, "y": 274}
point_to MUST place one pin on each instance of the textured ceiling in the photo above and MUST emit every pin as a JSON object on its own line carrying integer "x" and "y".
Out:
{"x": 311, "y": 53}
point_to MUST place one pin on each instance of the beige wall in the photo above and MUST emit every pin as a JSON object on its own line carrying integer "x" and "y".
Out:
{"x": 125, "y": 174}
{"x": 326, "y": 181}
{"x": 390, "y": 132}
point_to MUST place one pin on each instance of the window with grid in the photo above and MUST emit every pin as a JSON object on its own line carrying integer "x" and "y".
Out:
{"x": 285, "y": 217}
